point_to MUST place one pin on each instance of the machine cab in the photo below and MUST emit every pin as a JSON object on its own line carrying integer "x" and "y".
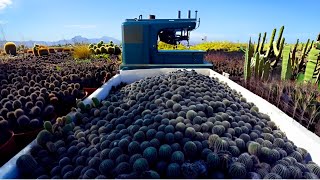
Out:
{"x": 140, "y": 43}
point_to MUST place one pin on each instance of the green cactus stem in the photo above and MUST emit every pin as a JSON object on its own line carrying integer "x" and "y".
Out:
{"x": 310, "y": 47}
{"x": 313, "y": 66}
{"x": 266, "y": 71}
{"x": 247, "y": 64}
{"x": 258, "y": 44}
{"x": 256, "y": 64}
{"x": 270, "y": 43}
{"x": 286, "y": 68}
{"x": 278, "y": 52}
{"x": 262, "y": 42}
{"x": 294, "y": 59}
{"x": 261, "y": 66}
{"x": 280, "y": 37}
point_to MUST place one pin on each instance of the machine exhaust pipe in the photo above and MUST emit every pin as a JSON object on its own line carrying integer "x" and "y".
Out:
{"x": 189, "y": 14}
{"x": 179, "y": 14}
{"x": 152, "y": 16}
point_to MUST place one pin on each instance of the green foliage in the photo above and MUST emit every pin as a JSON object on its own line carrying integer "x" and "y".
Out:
{"x": 205, "y": 46}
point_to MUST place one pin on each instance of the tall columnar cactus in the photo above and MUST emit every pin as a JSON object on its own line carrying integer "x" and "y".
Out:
{"x": 247, "y": 63}
{"x": 256, "y": 64}
{"x": 277, "y": 47}
{"x": 313, "y": 66}
{"x": 10, "y": 48}
{"x": 269, "y": 51}
{"x": 266, "y": 71}
{"x": 262, "y": 42}
{"x": 258, "y": 44}
{"x": 305, "y": 50}
{"x": 286, "y": 72}
{"x": 260, "y": 60}
{"x": 294, "y": 58}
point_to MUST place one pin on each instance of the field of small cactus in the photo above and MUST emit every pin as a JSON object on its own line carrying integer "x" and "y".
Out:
{"x": 40, "y": 84}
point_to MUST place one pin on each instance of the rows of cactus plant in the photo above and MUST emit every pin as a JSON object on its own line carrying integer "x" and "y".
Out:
{"x": 34, "y": 90}
{"x": 305, "y": 63}
{"x": 299, "y": 101}
{"x": 103, "y": 48}
{"x": 37, "y": 50}
{"x": 226, "y": 62}
{"x": 261, "y": 63}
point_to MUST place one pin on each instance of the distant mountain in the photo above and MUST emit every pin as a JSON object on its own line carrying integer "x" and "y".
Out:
{"x": 76, "y": 39}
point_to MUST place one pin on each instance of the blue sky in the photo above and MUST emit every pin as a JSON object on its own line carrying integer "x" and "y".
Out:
{"x": 232, "y": 20}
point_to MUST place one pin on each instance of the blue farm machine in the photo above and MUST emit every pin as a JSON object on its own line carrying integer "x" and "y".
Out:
{"x": 140, "y": 39}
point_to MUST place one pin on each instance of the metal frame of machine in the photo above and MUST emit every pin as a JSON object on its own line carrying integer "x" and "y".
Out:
{"x": 140, "y": 43}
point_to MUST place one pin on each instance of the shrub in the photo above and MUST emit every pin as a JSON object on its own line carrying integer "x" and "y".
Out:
{"x": 81, "y": 52}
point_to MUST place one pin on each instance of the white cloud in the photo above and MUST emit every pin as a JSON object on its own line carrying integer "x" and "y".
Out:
{"x": 4, "y": 4}
{"x": 81, "y": 26}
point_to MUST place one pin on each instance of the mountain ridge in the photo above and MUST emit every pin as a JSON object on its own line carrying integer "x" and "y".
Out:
{"x": 75, "y": 39}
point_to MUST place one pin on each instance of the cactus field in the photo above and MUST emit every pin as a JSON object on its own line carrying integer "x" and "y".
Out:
{"x": 178, "y": 125}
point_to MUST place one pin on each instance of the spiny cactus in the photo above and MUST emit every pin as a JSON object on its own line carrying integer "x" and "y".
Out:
{"x": 277, "y": 47}
{"x": 111, "y": 50}
{"x": 237, "y": 170}
{"x": 247, "y": 63}
{"x": 312, "y": 68}
{"x": 286, "y": 71}
{"x": 26, "y": 164}
{"x": 48, "y": 126}
{"x": 141, "y": 165}
{"x": 95, "y": 102}
{"x": 117, "y": 50}
{"x": 43, "y": 137}
{"x": 281, "y": 170}
{"x": 103, "y": 50}
{"x": 10, "y": 48}
{"x": 254, "y": 148}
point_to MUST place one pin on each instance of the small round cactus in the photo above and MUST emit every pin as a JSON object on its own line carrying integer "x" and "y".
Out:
{"x": 10, "y": 48}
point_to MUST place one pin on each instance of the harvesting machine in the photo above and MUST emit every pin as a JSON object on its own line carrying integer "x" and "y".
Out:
{"x": 140, "y": 43}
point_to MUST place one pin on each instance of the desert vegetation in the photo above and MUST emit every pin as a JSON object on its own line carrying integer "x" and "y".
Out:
{"x": 179, "y": 125}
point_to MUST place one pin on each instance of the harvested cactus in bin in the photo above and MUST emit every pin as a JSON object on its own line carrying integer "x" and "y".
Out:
{"x": 179, "y": 125}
